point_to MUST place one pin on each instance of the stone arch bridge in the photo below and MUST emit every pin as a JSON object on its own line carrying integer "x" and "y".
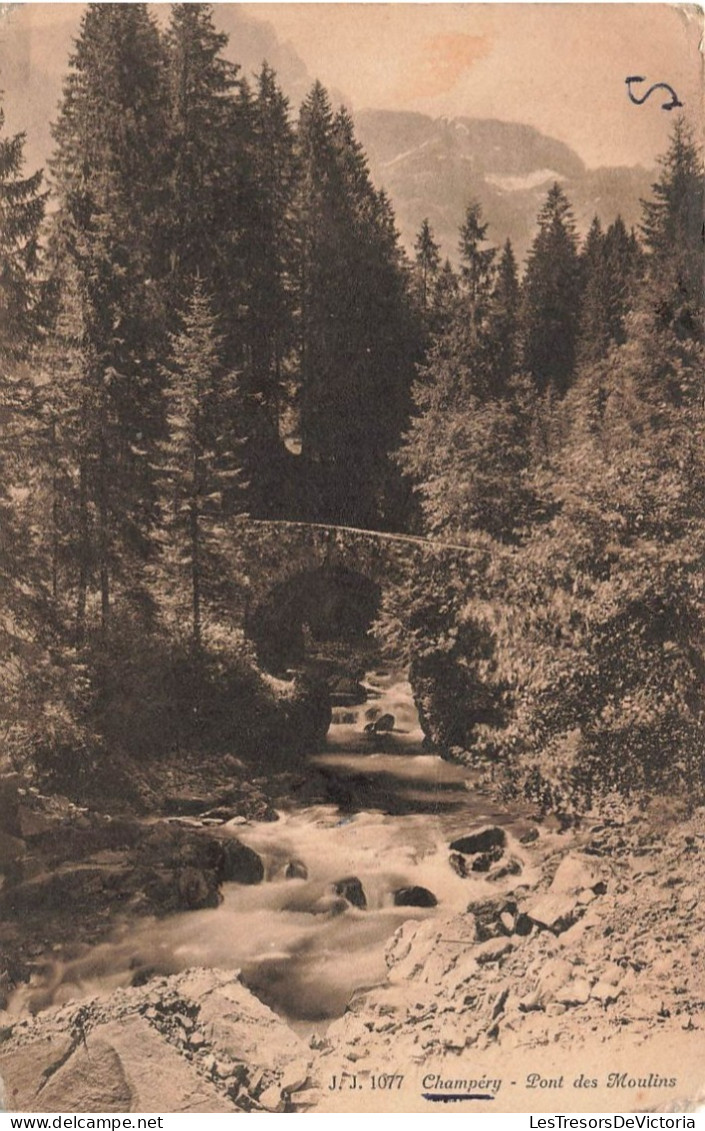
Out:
{"x": 296, "y": 572}
{"x": 274, "y": 551}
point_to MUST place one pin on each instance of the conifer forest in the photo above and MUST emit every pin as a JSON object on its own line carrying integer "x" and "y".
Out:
{"x": 218, "y": 359}
{"x": 203, "y": 274}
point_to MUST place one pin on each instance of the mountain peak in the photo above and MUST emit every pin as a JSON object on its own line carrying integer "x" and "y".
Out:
{"x": 433, "y": 167}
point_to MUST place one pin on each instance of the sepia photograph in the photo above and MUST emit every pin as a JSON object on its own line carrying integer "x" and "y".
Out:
{"x": 352, "y": 559}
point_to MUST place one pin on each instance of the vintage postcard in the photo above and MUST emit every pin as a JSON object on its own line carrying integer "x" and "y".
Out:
{"x": 352, "y": 467}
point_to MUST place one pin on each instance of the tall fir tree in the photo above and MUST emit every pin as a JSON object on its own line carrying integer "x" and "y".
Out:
{"x": 445, "y": 298}
{"x": 319, "y": 279}
{"x": 476, "y": 264}
{"x": 272, "y": 264}
{"x": 551, "y": 297}
{"x": 467, "y": 447}
{"x": 504, "y": 317}
{"x": 207, "y": 146}
{"x": 268, "y": 300}
{"x": 358, "y": 340}
{"x": 427, "y": 259}
{"x": 25, "y": 605}
{"x": 200, "y": 464}
{"x": 22, "y": 205}
{"x": 624, "y": 260}
{"x": 672, "y": 228}
{"x": 108, "y": 169}
{"x": 610, "y": 266}
{"x": 21, "y": 212}
{"x": 594, "y": 336}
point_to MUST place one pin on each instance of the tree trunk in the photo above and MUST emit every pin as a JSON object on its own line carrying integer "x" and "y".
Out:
{"x": 54, "y": 514}
{"x": 195, "y": 562}
{"x": 103, "y": 539}
{"x": 83, "y": 553}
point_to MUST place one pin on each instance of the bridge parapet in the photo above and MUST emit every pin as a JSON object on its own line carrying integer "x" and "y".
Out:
{"x": 271, "y": 552}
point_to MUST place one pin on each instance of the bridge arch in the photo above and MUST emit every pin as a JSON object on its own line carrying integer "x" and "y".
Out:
{"x": 297, "y": 576}
{"x": 311, "y": 607}
{"x": 303, "y": 578}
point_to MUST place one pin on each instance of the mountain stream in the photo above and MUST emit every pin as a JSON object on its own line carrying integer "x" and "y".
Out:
{"x": 300, "y": 944}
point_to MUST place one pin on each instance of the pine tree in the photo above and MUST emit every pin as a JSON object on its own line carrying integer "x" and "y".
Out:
{"x": 358, "y": 340}
{"x": 200, "y": 461}
{"x": 268, "y": 257}
{"x": 71, "y": 408}
{"x": 108, "y": 169}
{"x": 610, "y": 268}
{"x": 428, "y": 262}
{"x": 467, "y": 447}
{"x": 476, "y": 265}
{"x": 504, "y": 317}
{"x": 207, "y": 141}
{"x": 25, "y": 606}
{"x": 272, "y": 263}
{"x": 445, "y": 299}
{"x": 594, "y": 334}
{"x": 21, "y": 213}
{"x": 672, "y": 228}
{"x": 467, "y": 453}
{"x": 550, "y": 298}
{"x": 624, "y": 270}
{"x": 319, "y": 257}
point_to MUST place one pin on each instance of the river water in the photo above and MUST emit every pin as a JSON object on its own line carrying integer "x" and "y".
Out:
{"x": 301, "y": 947}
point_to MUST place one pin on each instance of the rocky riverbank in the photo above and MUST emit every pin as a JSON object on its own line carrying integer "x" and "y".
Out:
{"x": 584, "y": 957}
{"x": 599, "y": 966}
{"x": 197, "y": 1041}
{"x": 69, "y": 874}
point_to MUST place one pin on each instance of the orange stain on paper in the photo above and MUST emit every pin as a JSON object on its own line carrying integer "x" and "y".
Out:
{"x": 441, "y": 60}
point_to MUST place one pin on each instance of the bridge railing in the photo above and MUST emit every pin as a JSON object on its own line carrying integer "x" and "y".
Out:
{"x": 379, "y": 535}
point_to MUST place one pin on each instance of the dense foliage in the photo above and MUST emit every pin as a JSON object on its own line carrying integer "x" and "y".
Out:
{"x": 216, "y": 316}
{"x": 575, "y": 656}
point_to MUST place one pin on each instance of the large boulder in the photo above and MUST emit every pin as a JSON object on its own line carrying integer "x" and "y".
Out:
{"x": 576, "y": 882}
{"x": 241, "y": 864}
{"x": 509, "y": 867}
{"x": 193, "y": 1042}
{"x": 577, "y": 873}
{"x": 196, "y": 890}
{"x": 482, "y": 840}
{"x": 351, "y": 888}
{"x": 210, "y": 850}
{"x": 554, "y": 911}
{"x": 483, "y": 861}
{"x": 492, "y": 917}
{"x": 165, "y": 868}
{"x": 414, "y": 897}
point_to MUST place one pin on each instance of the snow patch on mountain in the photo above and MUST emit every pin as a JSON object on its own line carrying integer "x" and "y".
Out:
{"x": 520, "y": 184}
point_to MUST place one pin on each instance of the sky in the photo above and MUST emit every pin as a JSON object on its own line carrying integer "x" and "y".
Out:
{"x": 558, "y": 67}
